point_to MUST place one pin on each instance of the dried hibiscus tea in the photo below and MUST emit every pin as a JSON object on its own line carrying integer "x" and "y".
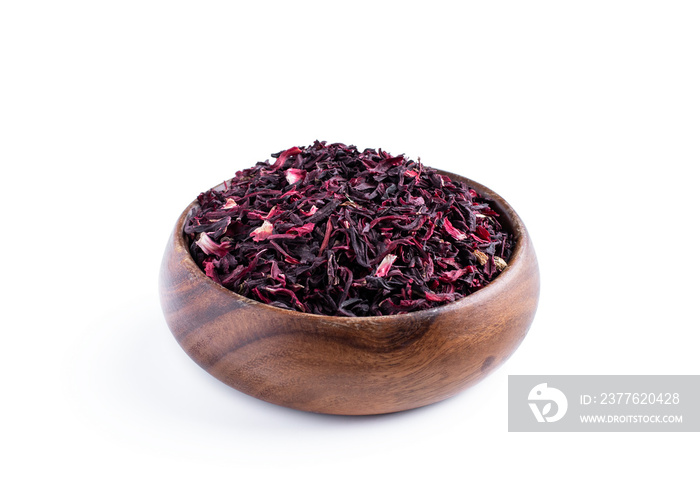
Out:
{"x": 330, "y": 230}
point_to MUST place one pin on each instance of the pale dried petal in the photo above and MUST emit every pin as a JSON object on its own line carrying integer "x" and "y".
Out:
{"x": 210, "y": 247}
{"x": 230, "y": 204}
{"x": 385, "y": 265}
{"x": 294, "y": 175}
{"x": 262, "y": 232}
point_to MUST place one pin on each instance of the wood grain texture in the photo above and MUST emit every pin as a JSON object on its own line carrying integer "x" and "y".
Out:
{"x": 352, "y": 366}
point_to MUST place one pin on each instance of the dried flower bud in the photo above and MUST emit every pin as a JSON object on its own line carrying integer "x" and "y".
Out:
{"x": 500, "y": 263}
{"x": 481, "y": 257}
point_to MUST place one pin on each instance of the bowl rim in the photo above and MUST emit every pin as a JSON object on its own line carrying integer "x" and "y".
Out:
{"x": 512, "y": 220}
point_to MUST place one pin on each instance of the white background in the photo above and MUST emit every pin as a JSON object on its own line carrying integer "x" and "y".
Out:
{"x": 585, "y": 116}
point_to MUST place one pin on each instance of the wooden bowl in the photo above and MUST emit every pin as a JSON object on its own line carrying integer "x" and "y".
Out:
{"x": 351, "y": 366}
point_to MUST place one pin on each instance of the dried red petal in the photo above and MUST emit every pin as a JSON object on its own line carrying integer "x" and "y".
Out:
{"x": 439, "y": 297}
{"x": 283, "y": 157}
{"x": 483, "y": 233}
{"x": 302, "y": 230}
{"x": 454, "y": 232}
{"x": 210, "y": 270}
{"x": 310, "y": 212}
{"x": 452, "y": 276}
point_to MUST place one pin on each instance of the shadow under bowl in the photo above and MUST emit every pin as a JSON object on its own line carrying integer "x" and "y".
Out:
{"x": 350, "y": 366}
